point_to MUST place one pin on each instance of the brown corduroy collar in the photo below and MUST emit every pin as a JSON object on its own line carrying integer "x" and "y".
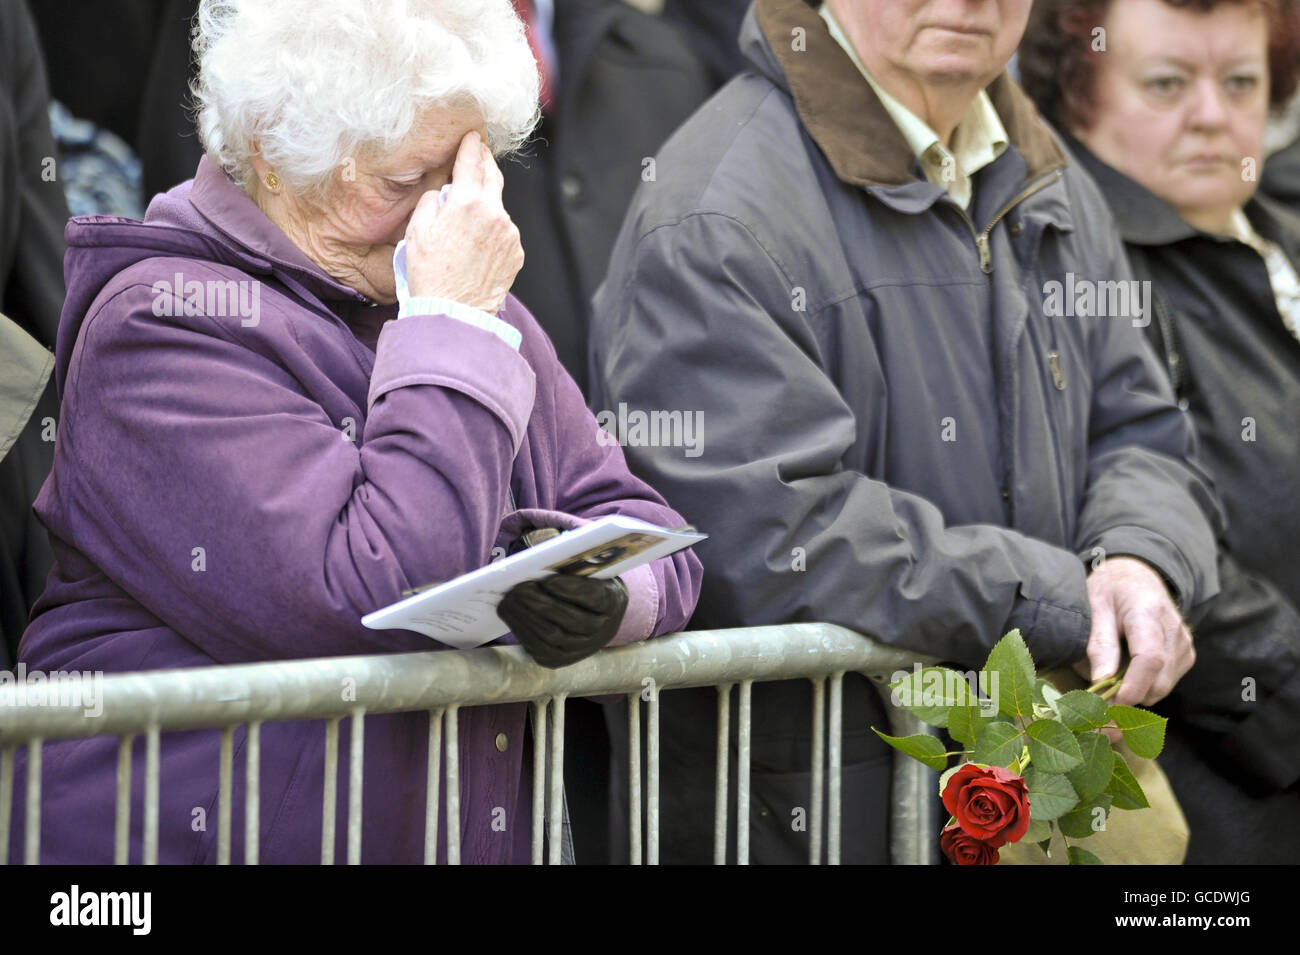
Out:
{"x": 847, "y": 120}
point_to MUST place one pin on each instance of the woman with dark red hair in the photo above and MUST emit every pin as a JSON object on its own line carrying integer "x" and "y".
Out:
{"x": 1166, "y": 103}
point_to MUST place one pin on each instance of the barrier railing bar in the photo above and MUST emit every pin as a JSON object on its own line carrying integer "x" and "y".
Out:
{"x": 652, "y": 777}
{"x": 540, "y": 708}
{"x": 122, "y": 812}
{"x": 252, "y": 791}
{"x": 555, "y": 799}
{"x": 356, "y": 785}
{"x": 912, "y": 791}
{"x": 152, "y": 771}
{"x": 6, "y": 798}
{"x": 742, "y": 776}
{"x": 226, "y": 764}
{"x": 720, "y": 781}
{"x": 32, "y": 845}
{"x": 329, "y": 806}
{"x": 453, "y": 785}
{"x": 433, "y": 780}
{"x": 818, "y": 770}
{"x": 634, "y": 776}
{"x": 836, "y": 733}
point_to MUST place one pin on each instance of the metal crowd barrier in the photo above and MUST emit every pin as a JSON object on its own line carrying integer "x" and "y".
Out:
{"x": 224, "y": 697}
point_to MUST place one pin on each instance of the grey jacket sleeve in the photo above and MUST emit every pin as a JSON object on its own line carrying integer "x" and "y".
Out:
{"x": 1146, "y": 497}
{"x": 697, "y": 318}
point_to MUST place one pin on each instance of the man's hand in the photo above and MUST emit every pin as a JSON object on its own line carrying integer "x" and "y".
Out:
{"x": 1130, "y": 601}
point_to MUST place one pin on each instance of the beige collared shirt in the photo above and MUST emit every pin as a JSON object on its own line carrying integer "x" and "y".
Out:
{"x": 978, "y": 139}
{"x": 1282, "y": 277}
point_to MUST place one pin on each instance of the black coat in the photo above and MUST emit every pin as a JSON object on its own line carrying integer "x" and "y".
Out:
{"x": 1233, "y": 753}
{"x": 626, "y": 81}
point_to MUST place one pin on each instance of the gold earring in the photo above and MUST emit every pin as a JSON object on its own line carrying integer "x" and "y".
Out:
{"x": 272, "y": 181}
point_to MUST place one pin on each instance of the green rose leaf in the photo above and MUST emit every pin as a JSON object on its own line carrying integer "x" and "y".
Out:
{"x": 999, "y": 744}
{"x": 965, "y": 723}
{"x": 1143, "y": 730}
{"x": 1091, "y": 778}
{"x": 1011, "y": 666}
{"x": 1039, "y": 831}
{"x": 932, "y": 692}
{"x": 1081, "y": 710}
{"x": 1038, "y": 691}
{"x": 1045, "y": 697}
{"x": 1046, "y": 846}
{"x": 1052, "y": 747}
{"x": 1081, "y": 856}
{"x": 922, "y": 747}
{"x": 947, "y": 775}
{"x": 1086, "y": 818}
{"x": 1050, "y": 794}
{"x": 1124, "y": 788}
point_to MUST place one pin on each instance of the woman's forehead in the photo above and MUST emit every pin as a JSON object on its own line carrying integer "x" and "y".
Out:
{"x": 433, "y": 139}
{"x": 1153, "y": 29}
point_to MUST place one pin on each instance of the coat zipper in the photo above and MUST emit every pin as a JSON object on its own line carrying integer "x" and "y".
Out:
{"x": 986, "y": 266}
{"x": 986, "y": 258}
{"x": 982, "y": 238}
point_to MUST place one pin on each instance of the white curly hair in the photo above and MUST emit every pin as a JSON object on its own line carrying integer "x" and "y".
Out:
{"x": 317, "y": 81}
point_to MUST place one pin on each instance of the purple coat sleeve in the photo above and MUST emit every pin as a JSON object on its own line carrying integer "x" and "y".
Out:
{"x": 592, "y": 480}
{"x": 225, "y": 500}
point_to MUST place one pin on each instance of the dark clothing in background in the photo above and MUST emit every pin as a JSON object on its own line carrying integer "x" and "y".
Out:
{"x": 125, "y": 66}
{"x": 626, "y": 81}
{"x": 1233, "y": 757}
{"x": 712, "y": 28}
{"x": 1281, "y": 178}
{"x": 32, "y": 216}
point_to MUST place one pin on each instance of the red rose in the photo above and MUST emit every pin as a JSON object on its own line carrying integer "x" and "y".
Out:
{"x": 964, "y": 849}
{"x": 990, "y": 803}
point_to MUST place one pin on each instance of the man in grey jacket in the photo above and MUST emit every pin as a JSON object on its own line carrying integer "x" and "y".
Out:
{"x": 871, "y": 274}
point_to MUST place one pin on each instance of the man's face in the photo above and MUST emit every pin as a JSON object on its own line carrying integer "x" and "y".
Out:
{"x": 941, "y": 42}
{"x": 1181, "y": 98}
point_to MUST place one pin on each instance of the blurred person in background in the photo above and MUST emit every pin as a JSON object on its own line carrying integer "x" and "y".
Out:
{"x": 32, "y": 216}
{"x": 615, "y": 82}
{"x": 242, "y": 482}
{"x": 143, "y": 139}
{"x": 712, "y": 28}
{"x": 1166, "y": 104}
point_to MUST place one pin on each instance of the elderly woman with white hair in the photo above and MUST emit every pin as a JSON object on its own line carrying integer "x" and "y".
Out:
{"x": 269, "y": 430}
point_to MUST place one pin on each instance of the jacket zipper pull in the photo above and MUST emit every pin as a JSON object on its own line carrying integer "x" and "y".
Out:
{"x": 986, "y": 257}
{"x": 1054, "y": 362}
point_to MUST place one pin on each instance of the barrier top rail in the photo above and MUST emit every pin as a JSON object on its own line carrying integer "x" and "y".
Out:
{"x": 204, "y": 697}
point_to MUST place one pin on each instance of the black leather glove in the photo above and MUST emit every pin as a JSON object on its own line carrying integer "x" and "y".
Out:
{"x": 563, "y": 618}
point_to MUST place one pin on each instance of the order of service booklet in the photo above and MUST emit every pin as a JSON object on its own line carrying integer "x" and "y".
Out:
{"x": 462, "y": 612}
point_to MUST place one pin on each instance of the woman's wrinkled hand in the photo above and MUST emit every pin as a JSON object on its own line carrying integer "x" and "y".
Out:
{"x": 468, "y": 249}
